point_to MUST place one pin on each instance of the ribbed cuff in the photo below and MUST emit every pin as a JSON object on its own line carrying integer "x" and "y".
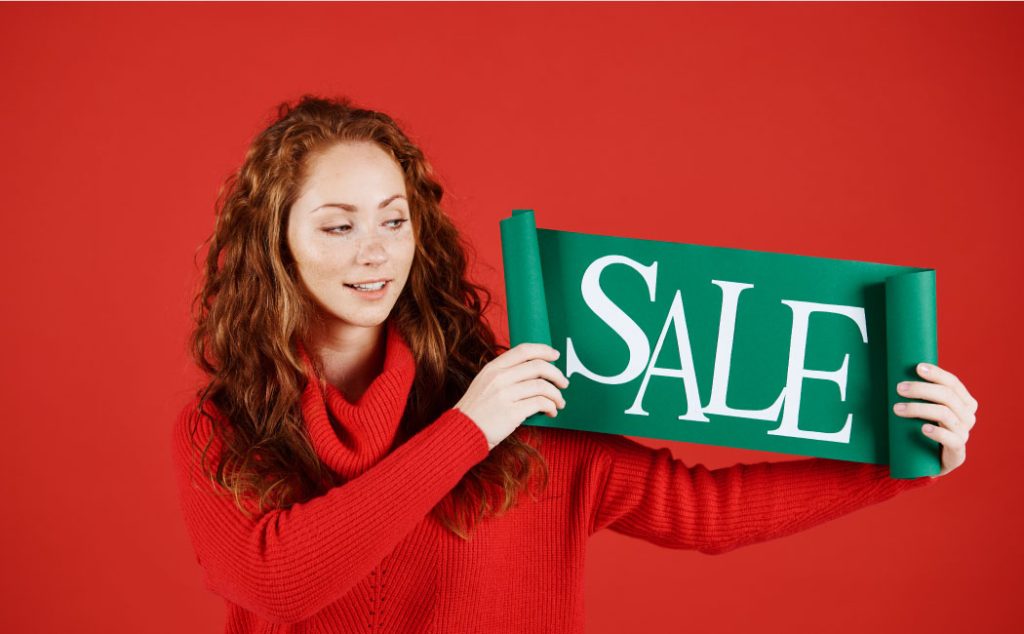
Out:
{"x": 464, "y": 432}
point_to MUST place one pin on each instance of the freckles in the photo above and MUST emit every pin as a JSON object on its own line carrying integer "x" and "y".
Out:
{"x": 404, "y": 235}
{"x": 321, "y": 269}
{"x": 325, "y": 262}
{"x": 409, "y": 246}
{"x": 404, "y": 241}
{"x": 314, "y": 274}
{"x": 318, "y": 258}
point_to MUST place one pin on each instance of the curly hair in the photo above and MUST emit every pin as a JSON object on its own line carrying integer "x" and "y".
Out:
{"x": 250, "y": 310}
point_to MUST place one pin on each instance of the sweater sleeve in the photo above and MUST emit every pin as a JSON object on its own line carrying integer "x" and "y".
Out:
{"x": 288, "y": 564}
{"x": 651, "y": 495}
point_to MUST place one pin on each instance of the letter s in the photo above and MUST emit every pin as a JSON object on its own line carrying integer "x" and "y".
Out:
{"x": 620, "y": 322}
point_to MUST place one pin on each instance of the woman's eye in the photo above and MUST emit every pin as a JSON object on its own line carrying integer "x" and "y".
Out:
{"x": 395, "y": 224}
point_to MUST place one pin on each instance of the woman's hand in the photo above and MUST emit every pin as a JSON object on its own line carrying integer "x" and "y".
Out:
{"x": 514, "y": 386}
{"x": 953, "y": 408}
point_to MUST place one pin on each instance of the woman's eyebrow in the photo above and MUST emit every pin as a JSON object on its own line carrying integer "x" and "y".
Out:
{"x": 350, "y": 207}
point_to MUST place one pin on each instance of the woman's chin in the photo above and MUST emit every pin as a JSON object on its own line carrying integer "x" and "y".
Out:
{"x": 363, "y": 319}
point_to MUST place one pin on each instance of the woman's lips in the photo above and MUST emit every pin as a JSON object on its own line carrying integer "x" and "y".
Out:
{"x": 377, "y": 294}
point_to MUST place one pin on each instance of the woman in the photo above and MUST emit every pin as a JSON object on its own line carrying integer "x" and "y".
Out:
{"x": 356, "y": 461}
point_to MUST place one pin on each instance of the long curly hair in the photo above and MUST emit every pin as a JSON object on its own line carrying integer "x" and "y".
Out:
{"x": 251, "y": 309}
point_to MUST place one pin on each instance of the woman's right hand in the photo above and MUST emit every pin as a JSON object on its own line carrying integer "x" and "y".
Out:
{"x": 515, "y": 385}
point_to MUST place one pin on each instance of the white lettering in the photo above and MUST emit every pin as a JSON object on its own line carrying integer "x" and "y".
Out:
{"x": 643, "y": 361}
{"x": 723, "y": 360}
{"x": 797, "y": 373}
{"x": 620, "y": 322}
{"x": 687, "y": 373}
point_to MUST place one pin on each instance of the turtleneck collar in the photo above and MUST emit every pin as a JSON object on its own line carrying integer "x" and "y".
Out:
{"x": 352, "y": 437}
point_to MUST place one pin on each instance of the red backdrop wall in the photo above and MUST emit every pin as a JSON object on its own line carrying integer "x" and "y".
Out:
{"x": 881, "y": 132}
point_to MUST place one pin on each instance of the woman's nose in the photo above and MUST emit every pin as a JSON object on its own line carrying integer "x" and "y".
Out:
{"x": 371, "y": 251}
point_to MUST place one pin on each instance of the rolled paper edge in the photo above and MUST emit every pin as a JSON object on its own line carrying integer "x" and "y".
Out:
{"x": 525, "y": 298}
{"x": 911, "y": 338}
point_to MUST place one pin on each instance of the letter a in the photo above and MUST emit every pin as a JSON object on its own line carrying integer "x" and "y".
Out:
{"x": 687, "y": 373}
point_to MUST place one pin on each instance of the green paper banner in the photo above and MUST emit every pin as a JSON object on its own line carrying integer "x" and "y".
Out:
{"x": 749, "y": 349}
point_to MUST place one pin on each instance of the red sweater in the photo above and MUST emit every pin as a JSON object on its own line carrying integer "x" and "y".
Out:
{"x": 367, "y": 556}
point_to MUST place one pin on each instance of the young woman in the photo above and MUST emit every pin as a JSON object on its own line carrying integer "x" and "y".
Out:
{"x": 355, "y": 461}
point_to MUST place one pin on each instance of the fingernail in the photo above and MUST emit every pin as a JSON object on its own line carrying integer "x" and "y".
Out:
{"x": 900, "y": 407}
{"x": 928, "y": 428}
{"x": 925, "y": 368}
{"x": 902, "y": 387}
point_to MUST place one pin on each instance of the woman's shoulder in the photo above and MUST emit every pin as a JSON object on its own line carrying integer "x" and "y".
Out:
{"x": 192, "y": 428}
{"x": 190, "y": 413}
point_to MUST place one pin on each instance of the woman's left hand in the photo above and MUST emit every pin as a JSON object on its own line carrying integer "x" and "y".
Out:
{"x": 952, "y": 407}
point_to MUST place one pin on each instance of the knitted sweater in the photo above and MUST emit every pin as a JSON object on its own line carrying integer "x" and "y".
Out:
{"x": 367, "y": 556}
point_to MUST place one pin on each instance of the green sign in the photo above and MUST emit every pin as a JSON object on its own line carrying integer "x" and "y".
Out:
{"x": 748, "y": 349}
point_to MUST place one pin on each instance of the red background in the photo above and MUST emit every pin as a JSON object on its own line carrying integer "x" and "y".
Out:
{"x": 880, "y": 132}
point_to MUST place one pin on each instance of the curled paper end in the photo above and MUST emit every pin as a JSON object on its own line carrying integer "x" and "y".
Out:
{"x": 911, "y": 338}
{"x": 524, "y": 280}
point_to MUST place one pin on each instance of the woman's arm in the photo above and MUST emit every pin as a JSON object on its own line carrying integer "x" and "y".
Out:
{"x": 287, "y": 565}
{"x": 651, "y": 495}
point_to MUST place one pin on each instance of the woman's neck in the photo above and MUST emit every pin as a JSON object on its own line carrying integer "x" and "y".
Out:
{"x": 352, "y": 357}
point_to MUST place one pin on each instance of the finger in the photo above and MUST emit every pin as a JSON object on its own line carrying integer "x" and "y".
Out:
{"x": 936, "y": 374}
{"x": 537, "y": 387}
{"x": 929, "y": 411}
{"x": 530, "y": 406}
{"x": 940, "y": 394}
{"x": 950, "y": 442}
{"x": 525, "y": 352}
{"x": 537, "y": 369}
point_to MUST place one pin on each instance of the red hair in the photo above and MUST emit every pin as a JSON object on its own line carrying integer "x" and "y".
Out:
{"x": 251, "y": 310}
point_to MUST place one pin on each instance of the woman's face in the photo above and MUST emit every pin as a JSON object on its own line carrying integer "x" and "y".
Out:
{"x": 350, "y": 225}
